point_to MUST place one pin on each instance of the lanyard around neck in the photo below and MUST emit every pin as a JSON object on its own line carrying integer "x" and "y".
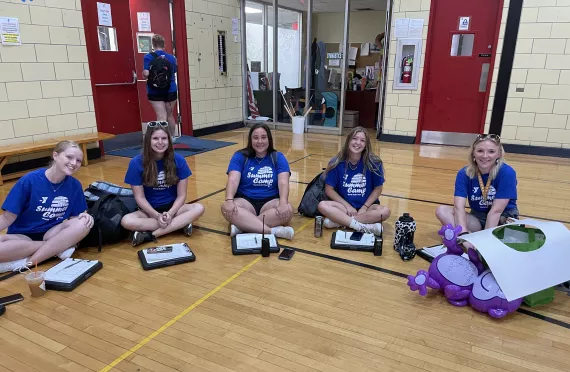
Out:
{"x": 484, "y": 188}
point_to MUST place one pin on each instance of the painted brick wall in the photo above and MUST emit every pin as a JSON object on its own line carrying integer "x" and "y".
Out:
{"x": 45, "y": 89}
{"x": 402, "y": 106}
{"x": 538, "y": 116}
{"x": 216, "y": 99}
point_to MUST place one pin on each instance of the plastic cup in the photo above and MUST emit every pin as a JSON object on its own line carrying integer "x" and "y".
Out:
{"x": 36, "y": 282}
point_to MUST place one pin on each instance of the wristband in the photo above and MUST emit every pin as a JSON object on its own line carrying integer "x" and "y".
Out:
{"x": 228, "y": 199}
{"x": 367, "y": 207}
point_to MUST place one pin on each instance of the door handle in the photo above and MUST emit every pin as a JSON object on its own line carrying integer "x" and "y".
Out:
{"x": 133, "y": 82}
{"x": 484, "y": 77}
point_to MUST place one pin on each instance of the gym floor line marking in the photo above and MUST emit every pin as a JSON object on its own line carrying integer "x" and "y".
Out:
{"x": 177, "y": 317}
{"x": 303, "y": 227}
{"x": 394, "y": 273}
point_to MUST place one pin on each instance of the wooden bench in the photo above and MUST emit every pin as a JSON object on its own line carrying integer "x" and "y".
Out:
{"x": 29, "y": 147}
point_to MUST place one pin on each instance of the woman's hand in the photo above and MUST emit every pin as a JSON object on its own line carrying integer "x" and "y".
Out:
{"x": 160, "y": 220}
{"x": 284, "y": 212}
{"x": 166, "y": 218}
{"x": 351, "y": 211}
{"x": 87, "y": 219}
{"x": 363, "y": 210}
{"x": 229, "y": 209}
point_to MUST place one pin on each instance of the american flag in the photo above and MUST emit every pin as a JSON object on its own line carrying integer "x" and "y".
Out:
{"x": 250, "y": 99}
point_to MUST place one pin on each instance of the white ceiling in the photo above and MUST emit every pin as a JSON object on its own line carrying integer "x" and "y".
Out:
{"x": 332, "y": 6}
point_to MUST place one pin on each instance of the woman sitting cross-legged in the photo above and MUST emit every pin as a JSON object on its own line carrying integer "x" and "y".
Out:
{"x": 159, "y": 179}
{"x": 45, "y": 212}
{"x": 354, "y": 180}
{"x": 258, "y": 188}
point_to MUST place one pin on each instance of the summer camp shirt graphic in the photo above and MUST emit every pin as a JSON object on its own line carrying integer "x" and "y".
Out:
{"x": 160, "y": 181}
{"x": 356, "y": 186}
{"x": 262, "y": 178}
{"x": 477, "y": 197}
{"x": 54, "y": 210}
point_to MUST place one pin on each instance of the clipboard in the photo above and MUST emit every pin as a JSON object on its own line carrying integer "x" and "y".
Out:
{"x": 350, "y": 246}
{"x": 274, "y": 246}
{"x": 165, "y": 255}
{"x": 72, "y": 273}
{"x": 431, "y": 252}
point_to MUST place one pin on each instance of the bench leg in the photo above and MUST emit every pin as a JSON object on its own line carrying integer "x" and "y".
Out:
{"x": 84, "y": 149}
{"x": 3, "y": 162}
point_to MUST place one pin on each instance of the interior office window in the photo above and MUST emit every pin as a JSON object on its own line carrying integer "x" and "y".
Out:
{"x": 289, "y": 47}
{"x": 254, "y": 35}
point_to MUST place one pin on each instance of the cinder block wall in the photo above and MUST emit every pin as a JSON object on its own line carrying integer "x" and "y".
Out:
{"x": 216, "y": 99}
{"x": 45, "y": 88}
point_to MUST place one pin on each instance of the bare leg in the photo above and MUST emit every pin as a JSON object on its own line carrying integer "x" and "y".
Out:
{"x": 187, "y": 214}
{"x": 246, "y": 220}
{"x": 169, "y": 106}
{"x": 269, "y": 210}
{"x": 160, "y": 110}
{"x": 376, "y": 213}
{"x": 446, "y": 215}
{"x": 59, "y": 238}
{"x": 14, "y": 247}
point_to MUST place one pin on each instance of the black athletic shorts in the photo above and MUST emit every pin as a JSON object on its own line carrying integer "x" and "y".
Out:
{"x": 37, "y": 237}
{"x": 163, "y": 97}
{"x": 162, "y": 208}
{"x": 257, "y": 203}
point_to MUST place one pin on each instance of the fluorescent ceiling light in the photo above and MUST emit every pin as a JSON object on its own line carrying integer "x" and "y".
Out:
{"x": 252, "y": 10}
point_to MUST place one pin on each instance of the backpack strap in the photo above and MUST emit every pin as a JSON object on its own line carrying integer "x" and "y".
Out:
{"x": 154, "y": 55}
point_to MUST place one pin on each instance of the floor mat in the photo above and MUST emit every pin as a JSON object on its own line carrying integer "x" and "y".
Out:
{"x": 185, "y": 146}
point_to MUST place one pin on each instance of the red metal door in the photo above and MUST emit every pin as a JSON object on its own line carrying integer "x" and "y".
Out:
{"x": 459, "y": 64}
{"x": 160, "y": 23}
{"x": 112, "y": 66}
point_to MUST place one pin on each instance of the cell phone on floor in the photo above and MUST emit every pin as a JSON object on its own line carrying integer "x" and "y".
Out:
{"x": 356, "y": 236}
{"x": 286, "y": 254}
{"x": 11, "y": 299}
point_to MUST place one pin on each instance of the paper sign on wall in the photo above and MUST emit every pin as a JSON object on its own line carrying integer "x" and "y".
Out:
{"x": 416, "y": 28}
{"x": 10, "y": 31}
{"x": 104, "y": 13}
{"x": 235, "y": 26}
{"x": 402, "y": 26}
{"x": 464, "y": 23}
{"x": 144, "y": 21}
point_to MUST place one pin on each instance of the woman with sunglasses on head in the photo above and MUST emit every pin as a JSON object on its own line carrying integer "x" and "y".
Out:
{"x": 354, "y": 180}
{"x": 258, "y": 188}
{"x": 159, "y": 180}
{"x": 45, "y": 212}
{"x": 488, "y": 184}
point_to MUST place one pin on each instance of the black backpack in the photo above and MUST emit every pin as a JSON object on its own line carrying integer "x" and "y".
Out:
{"x": 159, "y": 73}
{"x": 314, "y": 193}
{"x": 107, "y": 204}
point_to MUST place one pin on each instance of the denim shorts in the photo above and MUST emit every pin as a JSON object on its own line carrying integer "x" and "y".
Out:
{"x": 482, "y": 216}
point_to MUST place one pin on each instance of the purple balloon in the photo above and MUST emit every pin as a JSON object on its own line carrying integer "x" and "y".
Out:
{"x": 487, "y": 297}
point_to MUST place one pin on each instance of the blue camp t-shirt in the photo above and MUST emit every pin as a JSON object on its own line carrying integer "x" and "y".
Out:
{"x": 504, "y": 186}
{"x": 161, "y": 194}
{"x": 354, "y": 186}
{"x": 38, "y": 206}
{"x": 258, "y": 178}
{"x": 148, "y": 58}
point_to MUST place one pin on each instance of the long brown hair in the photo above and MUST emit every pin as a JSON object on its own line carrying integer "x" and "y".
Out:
{"x": 370, "y": 160}
{"x": 150, "y": 172}
{"x": 249, "y": 151}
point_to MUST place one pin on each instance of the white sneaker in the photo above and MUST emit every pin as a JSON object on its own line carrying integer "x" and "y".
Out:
{"x": 330, "y": 224}
{"x": 13, "y": 265}
{"x": 372, "y": 228}
{"x": 234, "y": 230}
{"x": 285, "y": 232}
{"x": 66, "y": 254}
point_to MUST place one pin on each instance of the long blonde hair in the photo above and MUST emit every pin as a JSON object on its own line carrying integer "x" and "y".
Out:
{"x": 472, "y": 168}
{"x": 370, "y": 160}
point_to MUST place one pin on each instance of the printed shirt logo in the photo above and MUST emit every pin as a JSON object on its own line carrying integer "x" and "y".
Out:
{"x": 357, "y": 185}
{"x": 262, "y": 178}
{"x": 56, "y": 210}
{"x": 160, "y": 181}
{"x": 477, "y": 196}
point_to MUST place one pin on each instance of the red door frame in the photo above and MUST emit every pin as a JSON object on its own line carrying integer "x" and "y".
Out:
{"x": 179, "y": 15}
{"x": 427, "y": 61}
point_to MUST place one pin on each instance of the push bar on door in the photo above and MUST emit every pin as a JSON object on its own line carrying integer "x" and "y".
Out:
{"x": 115, "y": 84}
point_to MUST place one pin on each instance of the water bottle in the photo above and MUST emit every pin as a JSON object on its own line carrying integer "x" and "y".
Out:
{"x": 405, "y": 226}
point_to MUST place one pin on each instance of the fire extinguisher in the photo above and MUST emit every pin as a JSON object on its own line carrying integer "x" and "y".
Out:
{"x": 407, "y": 64}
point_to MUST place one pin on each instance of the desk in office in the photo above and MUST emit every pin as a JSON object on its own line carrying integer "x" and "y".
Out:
{"x": 363, "y": 101}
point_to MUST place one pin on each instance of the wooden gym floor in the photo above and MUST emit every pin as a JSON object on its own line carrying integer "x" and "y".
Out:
{"x": 324, "y": 310}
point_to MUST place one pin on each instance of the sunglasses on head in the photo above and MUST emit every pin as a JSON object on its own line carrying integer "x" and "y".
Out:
{"x": 152, "y": 124}
{"x": 492, "y": 137}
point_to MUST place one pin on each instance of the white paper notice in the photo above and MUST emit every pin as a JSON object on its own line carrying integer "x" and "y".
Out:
{"x": 352, "y": 53}
{"x": 464, "y": 23}
{"x": 104, "y": 13}
{"x": 364, "y": 49}
{"x": 334, "y": 62}
{"x": 144, "y": 21}
{"x": 402, "y": 26}
{"x": 235, "y": 26}
{"x": 416, "y": 28}
{"x": 10, "y": 31}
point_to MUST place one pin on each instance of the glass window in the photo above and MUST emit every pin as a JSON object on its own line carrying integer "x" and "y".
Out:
{"x": 107, "y": 39}
{"x": 462, "y": 45}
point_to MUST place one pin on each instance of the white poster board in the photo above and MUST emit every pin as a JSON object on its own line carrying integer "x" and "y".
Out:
{"x": 520, "y": 274}
{"x": 144, "y": 21}
{"x": 104, "y": 14}
{"x": 10, "y": 31}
